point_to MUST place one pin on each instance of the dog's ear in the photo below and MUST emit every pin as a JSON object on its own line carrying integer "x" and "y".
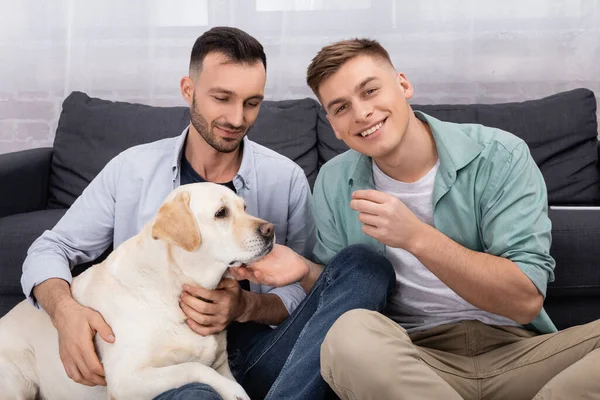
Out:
{"x": 176, "y": 225}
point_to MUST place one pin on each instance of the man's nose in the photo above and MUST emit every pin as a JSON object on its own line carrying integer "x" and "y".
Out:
{"x": 362, "y": 112}
{"x": 236, "y": 116}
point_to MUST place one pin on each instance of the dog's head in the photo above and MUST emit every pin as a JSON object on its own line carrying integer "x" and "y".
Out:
{"x": 208, "y": 223}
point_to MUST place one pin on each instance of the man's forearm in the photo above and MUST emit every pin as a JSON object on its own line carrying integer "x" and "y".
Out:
{"x": 51, "y": 293}
{"x": 491, "y": 283}
{"x": 265, "y": 309}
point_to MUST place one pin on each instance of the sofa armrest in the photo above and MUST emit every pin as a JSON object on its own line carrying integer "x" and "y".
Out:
{"x": 575, "y": 247}
{"x": 24, "y": 177}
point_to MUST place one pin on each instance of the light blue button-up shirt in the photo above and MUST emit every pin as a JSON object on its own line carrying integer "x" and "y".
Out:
{"x": 127, "y": 193}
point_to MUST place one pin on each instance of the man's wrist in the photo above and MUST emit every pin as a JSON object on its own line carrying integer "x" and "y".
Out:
{"x": 247, "y": 305}
{"x": 263, "y": 308}
{"x": 312, "y": 274}
{"x": 53, "y": 295}
{"x": 418, "y": 241}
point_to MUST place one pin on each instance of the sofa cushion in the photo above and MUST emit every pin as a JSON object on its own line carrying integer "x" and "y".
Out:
{"x": 290, "y": 128}
{"x": 575, "y": 248}
{"x": 570, "y": 311}
{"x": 92, "y": 131}
{"x": 561, "y": 131}
{"x": 17, "y": 233}
{"x": 8, "y": 301}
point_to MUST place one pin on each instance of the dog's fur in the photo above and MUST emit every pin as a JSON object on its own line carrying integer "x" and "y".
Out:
{"x": 136, "y": 289}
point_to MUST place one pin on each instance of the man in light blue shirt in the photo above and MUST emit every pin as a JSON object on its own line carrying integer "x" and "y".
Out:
{"x": 225, "y": 89}
{"x": 130, "y": 189}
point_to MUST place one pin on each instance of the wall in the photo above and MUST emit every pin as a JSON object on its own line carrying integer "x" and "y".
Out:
{"x": 454, "y": 51}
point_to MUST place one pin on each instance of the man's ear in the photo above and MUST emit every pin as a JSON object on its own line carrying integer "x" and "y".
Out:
{"x": 337, "y": 135}
{"x": 187, "y": 89}
{"x": 405, "y": 85}
{"x": 176, "y": 225}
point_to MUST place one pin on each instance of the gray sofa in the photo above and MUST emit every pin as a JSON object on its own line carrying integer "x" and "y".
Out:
{"x": 39, "y": 185}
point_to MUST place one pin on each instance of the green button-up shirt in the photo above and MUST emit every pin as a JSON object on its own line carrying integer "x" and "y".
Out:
{"x": 489, "y": 196}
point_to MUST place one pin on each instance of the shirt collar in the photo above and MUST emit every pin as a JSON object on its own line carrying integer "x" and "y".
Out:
{"x": 179, "y": 144}
{"x": 243, "y": 178}
{"x": 246, "y": 171}
{"x": 456, "y": 149}
{"x": 362, "y": 173}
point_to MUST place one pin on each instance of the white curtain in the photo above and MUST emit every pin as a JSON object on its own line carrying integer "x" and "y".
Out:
{"x": 454, "y": 51}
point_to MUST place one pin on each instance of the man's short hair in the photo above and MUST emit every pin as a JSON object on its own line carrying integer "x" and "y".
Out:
{"x": 330, "y": 58}
{"x": 235, "y": 44}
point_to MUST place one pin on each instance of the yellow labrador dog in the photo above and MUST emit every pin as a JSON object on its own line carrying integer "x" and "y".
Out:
{"x": 199, "y": 231}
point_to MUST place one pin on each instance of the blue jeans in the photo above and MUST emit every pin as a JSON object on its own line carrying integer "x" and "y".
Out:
{"x": 284, "y": 363}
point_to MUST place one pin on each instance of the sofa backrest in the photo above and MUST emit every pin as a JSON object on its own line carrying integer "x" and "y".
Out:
{"x": 561, "y": 131}
{"x": 92, "y": 131}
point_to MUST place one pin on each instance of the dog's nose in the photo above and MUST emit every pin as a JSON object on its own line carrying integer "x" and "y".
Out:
{"x": 267, "y": 230}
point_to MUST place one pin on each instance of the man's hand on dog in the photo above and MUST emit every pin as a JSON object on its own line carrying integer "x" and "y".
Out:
{"x": 211, "y": 311}
{"x": 281, "y": 267}
{"x": 77, "y": 325}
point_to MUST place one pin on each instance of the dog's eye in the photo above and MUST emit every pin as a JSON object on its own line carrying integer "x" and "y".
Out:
{"x": 222, "y": 213}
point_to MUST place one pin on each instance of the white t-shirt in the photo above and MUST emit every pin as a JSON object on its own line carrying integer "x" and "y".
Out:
{"x": 422, "y": 301}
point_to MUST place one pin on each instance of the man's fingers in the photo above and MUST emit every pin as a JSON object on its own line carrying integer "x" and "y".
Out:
{"x": 365, "y": 206}
{"x": 371, "y": 195}
{"x": 189, "y": 312}
{"x": 369, "y": 219}
{"x": 258, "y": 274}
{"x": 81, "y": 380}
{"x": 200, "y": 319}
{"x": 370, "y": 230}
{"x": 99, "y": 325}
{"x": 237, "y": 272}
{"x": 71, "y": 359}
{"x": 91, "y": 368}
{"x": 265, "y": 279}
{"x": 202, "y": 330}
{"x": 93, "y": 379}
{"x": 244, "y": 273}
{"x": 92, "y": 363}
{"x": 200, "y": 292}
{"x": 86, "y": 375}
{"x": 75, "y": 375}
{"x": 227, "y": 283}
{"x": 198, "y": 305}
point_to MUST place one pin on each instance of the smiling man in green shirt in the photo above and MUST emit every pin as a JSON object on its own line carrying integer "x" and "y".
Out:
{"x": 460, "y": 211}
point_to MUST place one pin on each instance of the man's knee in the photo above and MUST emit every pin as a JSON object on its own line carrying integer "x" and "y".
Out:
{"x": 369, "y": 268}
{"x": 191, "y": 391}
{"x": 353, "y": 346}
{"x": 353, "y": 337}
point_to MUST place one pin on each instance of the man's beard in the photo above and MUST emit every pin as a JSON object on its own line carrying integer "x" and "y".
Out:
{"x": 217, "y": 143}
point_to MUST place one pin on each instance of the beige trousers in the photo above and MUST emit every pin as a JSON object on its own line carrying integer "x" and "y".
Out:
{"x": 366, "y": 355}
